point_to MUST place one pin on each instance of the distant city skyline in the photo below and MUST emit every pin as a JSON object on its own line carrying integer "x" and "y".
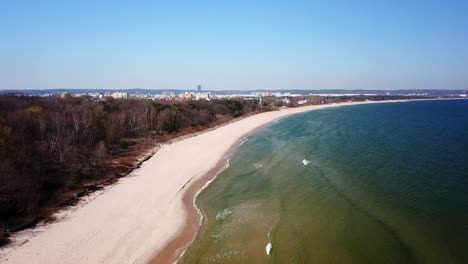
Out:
{"x": 241, "y": 45}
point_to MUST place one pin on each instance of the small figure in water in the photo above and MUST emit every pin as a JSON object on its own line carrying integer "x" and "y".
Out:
{"x": 269, "y": 246}
{"x": 305, "y": 162}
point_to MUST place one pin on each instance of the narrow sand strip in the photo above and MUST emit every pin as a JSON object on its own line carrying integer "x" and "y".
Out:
{"x": 132, "y": 221}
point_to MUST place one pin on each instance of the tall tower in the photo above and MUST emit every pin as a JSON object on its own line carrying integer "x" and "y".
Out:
{"x": 199, "y": 88}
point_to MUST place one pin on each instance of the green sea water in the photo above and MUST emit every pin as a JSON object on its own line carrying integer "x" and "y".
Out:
{"x": 386, "y": 183}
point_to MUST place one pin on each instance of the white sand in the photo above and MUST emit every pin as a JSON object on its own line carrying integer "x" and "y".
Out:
{"x": 130, "y": 221}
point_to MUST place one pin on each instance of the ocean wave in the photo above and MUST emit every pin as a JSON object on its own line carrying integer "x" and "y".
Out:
{"x": 222, "y": 214}
{"x": 200, "y": 222}
{"x": 243, "y": 141}
{"x": 218, "y": 236}
{"x": 223, "y": 256}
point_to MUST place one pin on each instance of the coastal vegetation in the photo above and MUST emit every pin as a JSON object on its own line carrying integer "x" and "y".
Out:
{"x": 55, "y": 150}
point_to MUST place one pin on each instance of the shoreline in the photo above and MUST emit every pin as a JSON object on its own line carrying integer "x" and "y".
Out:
{"x": 152, "y": 211}
{"x": 174, "y": 249}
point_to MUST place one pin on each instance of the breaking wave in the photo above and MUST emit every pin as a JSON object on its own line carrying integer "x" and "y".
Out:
{"x": 222, "y": 214}
{"x": 243, "y": 141}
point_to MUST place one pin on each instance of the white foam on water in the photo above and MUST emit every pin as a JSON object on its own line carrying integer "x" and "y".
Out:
{"x": 198, "y": 209}
{"x": 305, "y": 162}
{"x": 223, "y": 256}
{"x": 258, "y": 165}
{"x": 222, "y": 214}
{"x": 243, "y": 141}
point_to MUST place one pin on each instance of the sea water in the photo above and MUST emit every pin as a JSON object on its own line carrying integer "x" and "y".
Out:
{"x": 378, "y": 183}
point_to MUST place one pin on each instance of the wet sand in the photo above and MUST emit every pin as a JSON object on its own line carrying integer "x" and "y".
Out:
{"x": 177, "y": 246}
{"x": 148, "y": 216}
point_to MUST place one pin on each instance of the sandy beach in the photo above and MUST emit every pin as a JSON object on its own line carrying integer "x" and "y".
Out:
{"x": 146, "y": 216}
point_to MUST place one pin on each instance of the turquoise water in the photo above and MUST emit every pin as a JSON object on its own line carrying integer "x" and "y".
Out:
{"x": 386, "y": 183}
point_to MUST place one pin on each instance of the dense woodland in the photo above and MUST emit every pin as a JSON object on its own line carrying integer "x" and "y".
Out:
{"x": 53, "y": 150}
{"x": 51, "y": 146}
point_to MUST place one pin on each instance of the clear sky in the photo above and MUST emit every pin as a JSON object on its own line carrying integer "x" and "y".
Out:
{"x": 234, "y": 44}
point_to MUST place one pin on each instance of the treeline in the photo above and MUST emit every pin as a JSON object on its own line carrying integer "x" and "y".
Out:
{"x": 51, "y": 146}
{"x": 53, "y": 149}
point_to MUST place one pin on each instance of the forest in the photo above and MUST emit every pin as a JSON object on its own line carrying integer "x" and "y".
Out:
{"x": 55, "y": 150}
{"x": 52, "y": 148}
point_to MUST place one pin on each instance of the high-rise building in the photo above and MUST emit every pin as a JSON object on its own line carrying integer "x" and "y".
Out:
{"x": 199, "y": 88}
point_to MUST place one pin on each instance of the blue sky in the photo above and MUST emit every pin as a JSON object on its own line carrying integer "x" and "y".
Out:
{"x": 234, "y": 44}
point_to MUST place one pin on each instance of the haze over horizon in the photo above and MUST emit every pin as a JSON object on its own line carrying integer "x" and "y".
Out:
{"x": 241, "y": 45}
